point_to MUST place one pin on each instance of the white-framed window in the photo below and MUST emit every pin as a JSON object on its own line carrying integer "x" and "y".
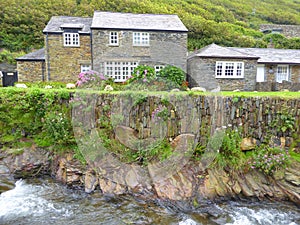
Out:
{"x": 229, "y": 69}
{"x": 85, "y": 68}
{"x": 119, "y": 71}
{"x": 113, "y": 38}
{"x": 71, "y": 39}
{"x": 282, "y": 73}
{"x": 141, "y": 39}
{"x": 157, "y": 68}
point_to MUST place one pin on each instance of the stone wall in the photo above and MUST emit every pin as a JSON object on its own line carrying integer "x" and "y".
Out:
{"x": 165, "y": 48}
{"x": 201, "y": 72}
{"x": 287, "y": 30}
{"x": 31, "y": 71}
{"x": 64, "y": 62}
{"x": 202, "y": 115}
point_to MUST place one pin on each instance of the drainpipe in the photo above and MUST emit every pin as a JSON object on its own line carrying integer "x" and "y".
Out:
{"x": 43, "y": 71}
{"x": 48, "y": 57}
{"x": 92, "y": 52}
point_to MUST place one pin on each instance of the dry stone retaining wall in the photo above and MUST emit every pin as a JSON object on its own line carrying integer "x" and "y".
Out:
{"x": 201, "y": 115}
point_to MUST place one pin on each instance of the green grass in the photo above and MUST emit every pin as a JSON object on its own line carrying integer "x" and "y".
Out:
{"x": 262, "y": 94}
{"x": 165, "y": 93}
{"x": 295, "y": 156}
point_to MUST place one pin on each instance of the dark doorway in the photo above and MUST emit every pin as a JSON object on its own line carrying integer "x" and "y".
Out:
{"x": 9, "y": 78}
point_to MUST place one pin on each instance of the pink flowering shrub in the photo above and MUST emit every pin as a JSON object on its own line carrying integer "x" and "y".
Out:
{"x": 268, "y": 159}
{"x": 92, "y": 79}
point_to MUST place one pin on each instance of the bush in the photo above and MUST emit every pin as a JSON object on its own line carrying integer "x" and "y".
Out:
{"x": 43, "y": 84}
{"x": 37, "y": 114}
{"x": 142, "y": 73}
{"x": 268, "y": 160}
{"x": 230, "y": 155}
{"x": 92, "y": 79}
{"x": 172, "y": 74}
{"x": 9, "y": 57}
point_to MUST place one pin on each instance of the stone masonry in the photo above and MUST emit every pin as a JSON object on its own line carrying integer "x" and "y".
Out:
{"x": 165, "y": 48}
{"x": 201, "y": 72}
{"x": 30, "y": 71}
{"x": 64, "y": 62}
{"x": 287, "y": 30}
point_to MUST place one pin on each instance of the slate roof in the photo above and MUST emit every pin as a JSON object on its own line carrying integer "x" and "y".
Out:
{"x": 130, "y": 21}
{"x": 216, "y": 51}
{"x": 38, "y": 55}
{"x": 56, "y": 24}
{"x": 272, "y": 55}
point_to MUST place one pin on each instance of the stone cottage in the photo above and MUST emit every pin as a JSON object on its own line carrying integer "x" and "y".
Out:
{"x": 110, "y": 43}
{"x": 248, "y": 69}
{"x": 215, "y": 66}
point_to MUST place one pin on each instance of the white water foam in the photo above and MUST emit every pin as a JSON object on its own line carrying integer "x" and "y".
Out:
{"x": 187, "y": 222}
{"x": 247, "y": 216}
{"x": 24, "y": 200}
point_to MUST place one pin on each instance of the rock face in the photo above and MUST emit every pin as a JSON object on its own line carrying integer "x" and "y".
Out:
{"x": 189, "y": 182}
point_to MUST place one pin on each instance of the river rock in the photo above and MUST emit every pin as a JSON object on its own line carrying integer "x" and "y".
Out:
{"x": 90, "y": 181}
{"x": 248, "y": 144}
{"x": 6, "y": 184}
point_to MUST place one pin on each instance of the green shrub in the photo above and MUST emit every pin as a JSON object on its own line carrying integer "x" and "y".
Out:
{"x": 230, "y": 154}
{"x": 172, "y": 74}
{"x": 9, "y": 57}
{"x": 33, "y": 113}
{"x": 142, "y": 73}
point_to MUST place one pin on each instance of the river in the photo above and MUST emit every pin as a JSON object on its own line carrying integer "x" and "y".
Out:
{"x": 43, "y": 201}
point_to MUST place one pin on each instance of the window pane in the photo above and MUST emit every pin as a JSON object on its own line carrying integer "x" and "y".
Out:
{"x": 71, "y": 39}
{"x": 120, "y": 71}
{"x": 282, "y": 73}
{"x": 85, "y": 68}
{"x": 229, "y": 68}
{"x": 113, "y": 38}
{"x": 141, "y": 38}
{"x": 219, "y": 69}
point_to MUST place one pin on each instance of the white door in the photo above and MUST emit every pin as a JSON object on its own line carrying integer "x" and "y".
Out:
{"x": 260, "y": 76}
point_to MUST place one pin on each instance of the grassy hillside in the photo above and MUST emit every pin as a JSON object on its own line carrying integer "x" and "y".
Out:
{"x": 225, "y": 22}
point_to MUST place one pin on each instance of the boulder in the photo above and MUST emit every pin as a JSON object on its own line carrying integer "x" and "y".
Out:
{"x": 21, "y": 85}
{"x": 198, "y": 89}
{"x": 70, "y": 86}
{"x": 108, "y": 88}
{"x": 90, "y": 181}
{"x": 248, "y": 144}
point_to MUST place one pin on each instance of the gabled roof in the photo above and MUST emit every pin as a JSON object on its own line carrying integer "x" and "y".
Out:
{"x": 130, "y": 21}
{"x": 272, "y": 55}
{"x": 38, "y": 55}
{"x": 58, "y": 23}
{"x": 216, "y": 51}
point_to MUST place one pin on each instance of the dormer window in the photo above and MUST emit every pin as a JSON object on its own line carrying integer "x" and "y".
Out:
{"x": 71, "y": 39}
{"x": 71, "y": 34}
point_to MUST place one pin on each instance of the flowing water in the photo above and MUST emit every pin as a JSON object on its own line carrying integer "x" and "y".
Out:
{"x": 47, "y": 202}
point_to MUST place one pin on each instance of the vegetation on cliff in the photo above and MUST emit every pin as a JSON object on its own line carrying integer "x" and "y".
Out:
{"x": 43, "y": 118}
{"x": 228, "y": 23}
